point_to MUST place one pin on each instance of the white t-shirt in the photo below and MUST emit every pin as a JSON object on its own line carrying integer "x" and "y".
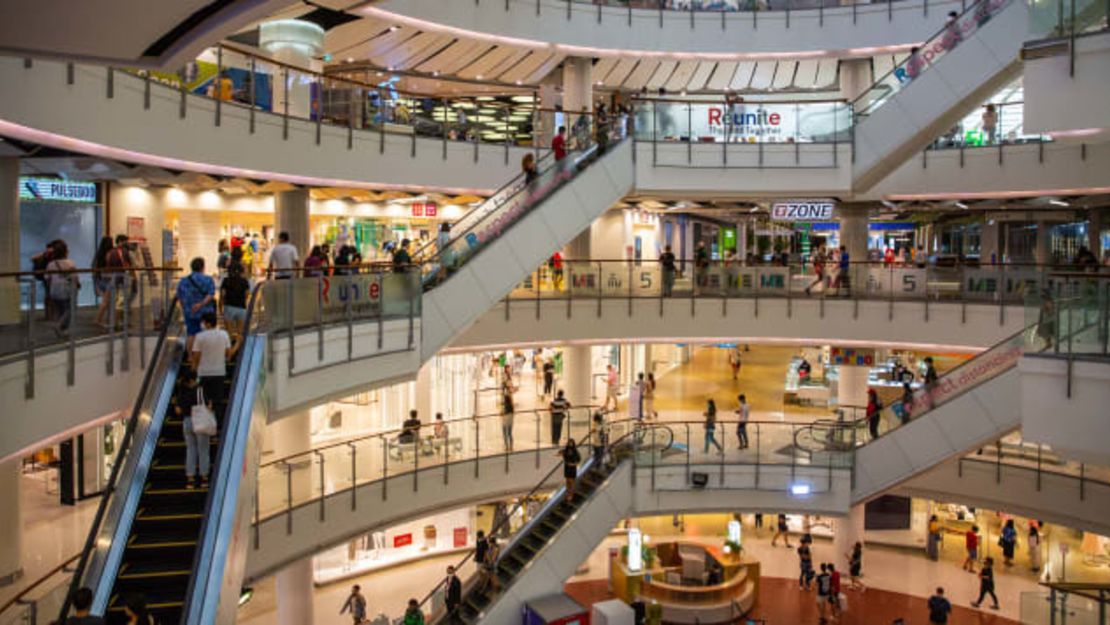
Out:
{"x": 212, "y": 346}
{"x": 744, "y": 411}
{"x": 283, "y": 258}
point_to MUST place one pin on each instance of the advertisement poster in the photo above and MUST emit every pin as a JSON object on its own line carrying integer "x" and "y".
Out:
{"x": 402, "y": 540}
{"x": 459, "y": 537}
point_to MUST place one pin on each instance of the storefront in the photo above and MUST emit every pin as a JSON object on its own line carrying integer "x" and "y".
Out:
{"x": 50, "y": 209}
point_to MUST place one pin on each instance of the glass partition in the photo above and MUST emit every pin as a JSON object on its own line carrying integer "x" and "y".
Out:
{"x": 735, "y": 121}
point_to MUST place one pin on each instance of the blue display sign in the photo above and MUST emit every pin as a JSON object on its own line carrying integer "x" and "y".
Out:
{"x": 56, "y": 190}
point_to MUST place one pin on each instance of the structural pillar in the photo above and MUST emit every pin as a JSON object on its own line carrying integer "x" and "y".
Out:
{"x": 294, "y": 593}
{"x": 577, "y": 374}
{"x": 989, "y": 249}
{"x": 1096, "y": 221}
{"x": 9, "y": 239}
{"x": 855, "y": 77}
{"x": 847, "y": 531}
{"x": 578, "y": 88}
{"x": 852, "y": 387}
{"x": 1041, "y": 252}
{"x": 291, "y": 215}
{"x": 424, "y": 404}
{"x": 298, "y": 43}
{"x": 11, "y": 523}
{"x": 548, "y": 98}
{"x": 289, "y": 435}
{"x": 853, "y": 230}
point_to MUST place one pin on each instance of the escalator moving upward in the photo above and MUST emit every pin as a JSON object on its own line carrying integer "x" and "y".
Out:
{"x": 158, "y": 561}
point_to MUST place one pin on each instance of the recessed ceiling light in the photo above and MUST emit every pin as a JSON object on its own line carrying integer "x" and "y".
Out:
{"x": 1058, "y": 203}
{"x": 479, "y": 76}
{"x": 393, "y": 28}
{"x": 961, "y": 205}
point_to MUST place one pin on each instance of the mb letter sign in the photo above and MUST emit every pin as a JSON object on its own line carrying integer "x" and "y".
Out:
{"x": 802, "y": 211}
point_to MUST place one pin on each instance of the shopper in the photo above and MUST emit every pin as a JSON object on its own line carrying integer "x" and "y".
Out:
{"x": 667, "y": 264}
{"x": 211, "y": 349}
{"x": 742, "y": 413}
{"x": 402, "y": 259}
{"x": 135, "y": 610}
{"x": 818, "y": 260}
{"x": 197, "y": 450}
{"x": 528, "y": 168}
{"x": 413, "y": 615}
{"x": 612, "y": 388}
{"x": 930, "y": 381}
{"x": 314, "y": 264}
{"x": 119, "y": 261}
{"x": 649, "y": 397}
{"x": 734, "y": 361}
{"x": 452, "y": 595}
{"x": 599, "y": 437}
{"x": 1034, "y": 543}
{"x": 971, "y": 546}
{"x": 39, "y": 263}
{"x": 843, "y": 267}
{"x": 986, "y": 584}
{"x": 907, "y": 403}
{"x": 548, "y": 377}
{"x": 834, "y": 591}
{"x": 601, "y": 116}
{"x": 932, "y": 539}
{"x": 805, "y": 567}
{"x": 439, "y": 428}
{"x": 507, "y": 412}
{"x": 874, "y": 413}
{"x": 952, "y": 34}
{"x": 102, "y": 281}
{"x": 559, "y": 144}
{"x": 710, "y": 415}
{"x": 855, "y": 567}
{"x": 356, "y": 605}
{"x": 234, "y": 290}
{"x": 410, "y": 429}
{"x": 481, "y": 546}
{"x": 990, "y": 123}
{"x": 196, "y": 293}
{"x": 63, "y": 287}
{"x": 939, "y": 608}
{"x": 493, "y": 554}
{"x": 283, "y": 258}
{"x": 82, "y": 601}
{"x": 1008, "y": 542}
{"x": 701, "y": 266}
{"x": 781, "y": 530}
{"x": 559, "y": 407}
{"x": 824, "y": 588}
{"x": 571, "y": 458}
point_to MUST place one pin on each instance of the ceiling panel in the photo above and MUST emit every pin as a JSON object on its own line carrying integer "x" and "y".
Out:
{"x": 517, "y": 55}
{"x": 701, "y": 76}
{"x": 620, "y": 72}
{"x": 882, "y": 64}
{"x": 544, "y": 69}
{"x": 603, "y": 67}
{"x": 826, "y": 72}
{"x": 680, "y": 78}
{"x": 342, "y": 40}
{"x": 385, "y": 42}
{"x": 743, "y": 76}
{"x": 722, "y": 76}
{"x": 806, "y": 76}
{"x": 763, "y": 75}
{"x": 639, "y": 76}
{"x": 484, "y": 63}
{"x": 435, "y": 48}
{"x": 661, "y": 74}
{"x": 784, "y": 75}
{"x": 412, "y": 47}
{"x": 526, "y": 66}
{"x": 454, "y": 61}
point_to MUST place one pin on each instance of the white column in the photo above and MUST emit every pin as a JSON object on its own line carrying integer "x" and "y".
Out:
{"x": 578, "y": 89}
{"x": 294, "y": 593}
{"x": 424, "y": 403}
{"x": 847, "y": 531}
{"x": 291, "y": 215}
{"x": 549, "y": 101}
{"x": 1096, "y": 219}
{"x": 853, "y": 230}
{"x": 9, "y": 238}
{"x": 11, "y": 524}
{"x": 855, "y": 77}
{"x": 576, "y": 374}
{"x": 852, "y": 386}
{"x": 289, "y": 435}
{"x": 1041, "y": 252}
{"x": 989, "y": 249}
{"x": 298, "y": 43}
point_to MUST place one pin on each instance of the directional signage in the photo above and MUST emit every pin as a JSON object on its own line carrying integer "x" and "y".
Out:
{"x": 802, "y": 210}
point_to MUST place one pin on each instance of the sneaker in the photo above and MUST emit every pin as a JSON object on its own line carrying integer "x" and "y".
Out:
{"x": 994, "y": 607}
{"x": 203, "y": 482}
{"x": 975, "y": 604}
{"x": 190, "y": 484}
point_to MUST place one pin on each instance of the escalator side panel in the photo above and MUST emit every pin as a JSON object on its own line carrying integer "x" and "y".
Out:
{"x": 104, "y": 563}
{"x": 222, "y": 553}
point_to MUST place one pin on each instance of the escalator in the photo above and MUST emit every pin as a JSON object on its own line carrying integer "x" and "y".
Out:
{"x": 952, "y": 73}
{"x": 180, "y": 549}
{"x": 478, "y": 266}
{"x": 546, "y": 551}
{"x": 974, "y": 403}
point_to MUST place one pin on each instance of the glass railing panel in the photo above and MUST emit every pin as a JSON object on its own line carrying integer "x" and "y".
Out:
{"x": 963, "y": 27}
{"x": 728, "y": 121}
{"x": 1045, "y": 608}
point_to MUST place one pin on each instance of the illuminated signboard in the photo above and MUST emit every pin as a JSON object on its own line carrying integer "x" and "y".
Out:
{"x": 635, "y": 553}
{"x": 56, "y": 190}
{"x": 802, "y": 210}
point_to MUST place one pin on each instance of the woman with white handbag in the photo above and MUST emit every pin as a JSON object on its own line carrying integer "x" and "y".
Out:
{"x": 198, "y": 424}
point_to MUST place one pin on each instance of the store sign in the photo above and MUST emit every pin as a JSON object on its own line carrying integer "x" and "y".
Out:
{"x": 424, "y": 209}
{"x": 635, "y": 550}
{"x": 459, "y": 537}
{"x": 802, "y": 210}
{"x": 896, "y": 281}
{"x": 56, "y": 190}
{"x": 402, "y": 540}
{"x": 992, "y": 284}
{"x": 851, "y": 356}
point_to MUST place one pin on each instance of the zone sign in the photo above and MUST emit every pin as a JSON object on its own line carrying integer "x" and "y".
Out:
{"x": 802, "y": 211}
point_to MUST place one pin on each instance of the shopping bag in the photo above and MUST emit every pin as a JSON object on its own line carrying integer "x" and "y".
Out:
{"x": 204, "y": 420}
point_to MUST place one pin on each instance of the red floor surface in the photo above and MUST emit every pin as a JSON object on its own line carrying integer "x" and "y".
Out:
{"x": 781, "y": 603}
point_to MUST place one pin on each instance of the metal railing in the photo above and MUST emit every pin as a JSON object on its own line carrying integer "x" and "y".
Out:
{"x": 1007, "y": 457}
{"x": 40, "y": 601}
{"x": 1073, "y": 316}
{"x": 125, "y": 306}
{"x": 709, "y": 8}
{"x": 1061, "y": 603}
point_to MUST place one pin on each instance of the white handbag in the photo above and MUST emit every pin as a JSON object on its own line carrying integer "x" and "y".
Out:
{"x": 204, "y": 420}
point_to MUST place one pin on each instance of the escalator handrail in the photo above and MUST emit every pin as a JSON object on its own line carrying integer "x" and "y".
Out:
{"x": 117, "y": 466}
{"x": 220, "y": 468}
{"x": 581, "y": 159}
{"x": 974, "y": 6}
{"x": 584, "y": 442}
